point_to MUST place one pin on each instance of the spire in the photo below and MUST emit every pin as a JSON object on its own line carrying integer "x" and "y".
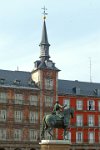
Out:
{"x": 44, "y": 44}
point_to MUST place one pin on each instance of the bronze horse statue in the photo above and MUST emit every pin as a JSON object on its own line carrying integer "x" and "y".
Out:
{"x": 61, "y": 120}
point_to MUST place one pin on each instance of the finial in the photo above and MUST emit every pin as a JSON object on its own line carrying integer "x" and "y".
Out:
{"x": 44, "y": 12}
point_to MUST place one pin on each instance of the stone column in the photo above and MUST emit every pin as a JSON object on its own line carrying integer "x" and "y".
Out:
{"x": 55, "y": 145}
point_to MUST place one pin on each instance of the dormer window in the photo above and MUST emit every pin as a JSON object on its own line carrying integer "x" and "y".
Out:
{"x": 31, "y": 83}
{"x": 17, "y": 82}
{"x": 97, "y": 92}
{"x": 76, "y": 90}
{"x": 2, "y": 80}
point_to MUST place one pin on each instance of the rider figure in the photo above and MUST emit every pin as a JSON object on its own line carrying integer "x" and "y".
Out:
{"x": 57, "y": 109}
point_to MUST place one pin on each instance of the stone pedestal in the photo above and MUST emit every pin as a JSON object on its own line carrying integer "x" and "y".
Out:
{"x": 55, "y": 145}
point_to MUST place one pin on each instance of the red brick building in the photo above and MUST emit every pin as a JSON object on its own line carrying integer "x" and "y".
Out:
{"x": 26, "y": 96}
{"x": 84, "y": 97}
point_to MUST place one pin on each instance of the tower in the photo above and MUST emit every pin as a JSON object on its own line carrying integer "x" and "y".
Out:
{"x": 45, "y": 74}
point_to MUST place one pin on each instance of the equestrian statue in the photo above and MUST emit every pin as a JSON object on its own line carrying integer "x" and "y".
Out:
{"x": 59, "y": 118}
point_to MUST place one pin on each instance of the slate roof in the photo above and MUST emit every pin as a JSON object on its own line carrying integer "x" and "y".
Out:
{"x": 85, "y": 88}
{"x": 11, "y": 76}
{"x": 65, "y": 87}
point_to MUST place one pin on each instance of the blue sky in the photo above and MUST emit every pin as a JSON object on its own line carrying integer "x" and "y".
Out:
{"x": 73, "y": 28}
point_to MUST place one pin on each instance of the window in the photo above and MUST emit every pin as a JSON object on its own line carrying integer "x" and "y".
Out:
{"x": 79, "y": 104}
{"x": 18, "y": 116}
{"x": 77, "y": 90}
{"x": 99, "y": 105}
{"x": 16, "y": 82}
{"x": 18, "y": 99}
{"x": 49, "y": 84}
{"x": 69, "y": 136}
{"x": 66, "y": 101}
{"x": 97, "y": 91}
{"x": 33, "y": 117}
{"x": 47, "y": 135}
{"x": 91, "y": 137}
{"x": 17, "y": 134}
{"x": 2, "y": 80}
{"x": 99, "y": 120}
{"x": 3, "y": 97}
{"x": 79, "y": 137}
{"x": 48, "y": 101}
{"x": 3, "y": 115}
{"x": 90, "y": 120}
{"x": 33, "y": 100}
{"x": 79, "y": 120}
{"x": 2, "y": 134}
{"x": 91, "y": 105}
{"x": 33, "y": 135}
{"x": 99, "y": 136}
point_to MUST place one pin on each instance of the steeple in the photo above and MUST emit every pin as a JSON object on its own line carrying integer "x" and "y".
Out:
{"x": 44, "y": 44}
{"x": 44, "y": 62}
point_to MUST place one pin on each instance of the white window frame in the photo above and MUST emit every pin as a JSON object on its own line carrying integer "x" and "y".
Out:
{"x": 33, "y": 100}
{"x": 99, "y": 105}
{"x": 48, "y": 101}
{"x": 33, "y": 117}
{"x": 3, "y": 134}
{"x": 18, "y": 116}
{"x": 79, "y": 120}
{"x": 77, "y": 90}
{"x": 91, "y": 120}
{"x": 66, "y": 101}
{"x": 79, "y": 137}
{"x": 49, "y": 83}
{"x": 18, "y": 99}
{"x": 3, "y": 97}
{"x": 92, "y": 103}
{"x": 79, "y": 105}
{"x": 33, "y": 134}
{"x": 3, "y": 115}
{"x": 47, "y": 135}
{"x": 99, "y": 136}
{"x": 91, "y": 137}
{"x": 17, "y": 134}
{"x": 99, "y": 120}
{"x": 69, "y": 136}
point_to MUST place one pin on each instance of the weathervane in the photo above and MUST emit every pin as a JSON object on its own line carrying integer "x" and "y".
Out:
{"x": 44, "y": 12}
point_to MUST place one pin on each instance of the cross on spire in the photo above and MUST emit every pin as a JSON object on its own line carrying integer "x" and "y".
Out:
{"x": 44, "y": 12}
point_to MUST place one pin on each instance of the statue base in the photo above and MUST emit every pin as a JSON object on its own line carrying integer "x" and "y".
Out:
{"x": 55, "y": 145}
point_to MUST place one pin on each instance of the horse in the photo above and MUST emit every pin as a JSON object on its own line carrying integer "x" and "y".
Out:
{"x": 60, "y": 121}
